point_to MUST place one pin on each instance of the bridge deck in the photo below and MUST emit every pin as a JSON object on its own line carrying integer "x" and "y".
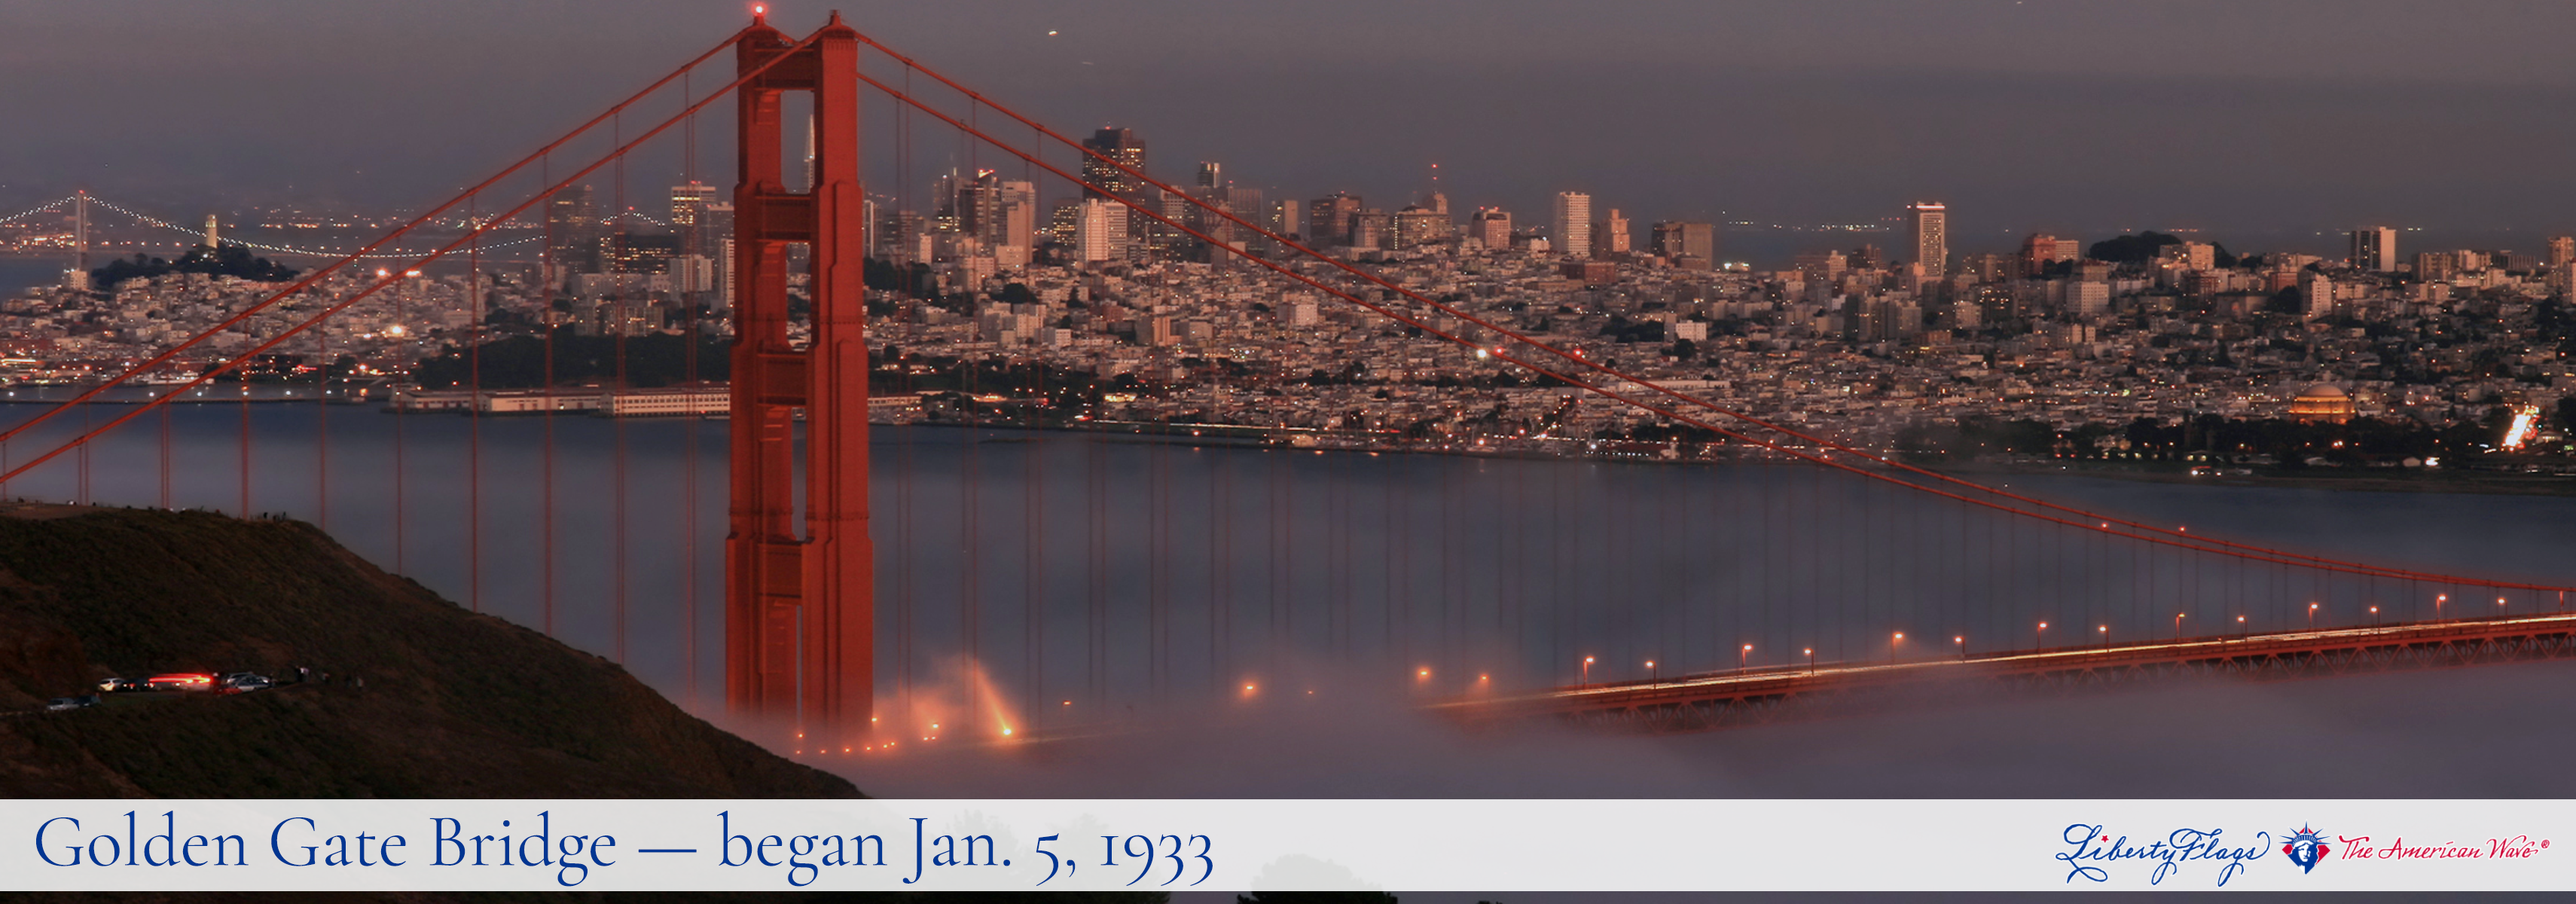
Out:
{"x": 1723, "y": 699}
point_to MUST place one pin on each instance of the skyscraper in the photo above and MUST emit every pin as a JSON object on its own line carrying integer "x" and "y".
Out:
{"x": 1288, "y": 218}
{"x": 1120, "y": 145}
{"x": 1100, "y": 232}
{"x": 688, "y": 206}
{"x": 1610, "y": 236}
{"x": 2562, "y": 262}
{"x": 1492, "y": 226}
{"x": 2374, "y": 248}
{"x": 1678, "y": 242}
{"x": 1329, "y": 222}
{"x": 1931, "y": 236}
{"x": 1573, "y": 223}
{"x": 572, "y": 234}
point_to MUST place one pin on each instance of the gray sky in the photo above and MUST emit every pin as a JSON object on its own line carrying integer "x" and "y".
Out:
{"x": 2252, "y": 119}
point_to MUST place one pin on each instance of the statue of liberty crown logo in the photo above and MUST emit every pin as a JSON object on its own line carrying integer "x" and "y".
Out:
{"x": 2305, "y": 848}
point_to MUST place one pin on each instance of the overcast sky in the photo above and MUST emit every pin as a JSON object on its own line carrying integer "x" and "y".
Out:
{"x": 2245, "y": 118}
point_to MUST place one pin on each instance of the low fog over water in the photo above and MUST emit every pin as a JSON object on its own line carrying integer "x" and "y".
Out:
{"x": 1113, "y": 597}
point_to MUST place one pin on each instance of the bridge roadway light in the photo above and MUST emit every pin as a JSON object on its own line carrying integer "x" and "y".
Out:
{"x": 2438, "y": 600}
{"x": 1653, "y": 678}
{"x": 2178, "y": 625}
{"x": 2038, "y": 639}
{"x": 1896, "y": 648}
{"x": 2312, "y": 615}
{"x": 2374, "y": 615}
{"x": 1811, "y": 660}
{"x": 1587, "y": 672}
{"x": 2106, "y": 636}
{"x": 1744, "y": 657}
{"x": 1962, "y": 641}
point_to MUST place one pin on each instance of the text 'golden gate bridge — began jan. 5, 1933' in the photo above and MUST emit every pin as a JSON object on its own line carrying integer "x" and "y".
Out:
{"x": 2130, "y": 598}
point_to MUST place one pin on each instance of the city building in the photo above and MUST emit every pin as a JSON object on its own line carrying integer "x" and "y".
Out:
{"x": 2039, "y": 250}
{"x": 2374, "y": 248}
{"x": 1686, "y": 241}
{"x": 2323, "y": 403}
{"x": 1330, "y": 218}
{"x": 572, "y": 235}
{"x": 1120, "y": 145}
{"x": 1931, "y": 221}
{"x": 1610, "y": 236}
{"x": 1491, "y": 226}
{"x": 1100, "y": 231}
{"x": 1573, "y": 224}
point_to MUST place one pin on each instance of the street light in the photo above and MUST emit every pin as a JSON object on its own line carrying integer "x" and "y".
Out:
{"x": 2312, "y": 616}
{"x": 1811, "y": 660}
{"x": 1653, "y": 678}
{"x": 1962, "y": 641}
{"x": 1587, "y": 673}
{"x": 2438, "y": 600}
{"x": 2178, "y": 625}
{"x": 2036, "y": 637}
{"x": 2240, "y": 627}
{"x": 2106, "y": 636}
{"x": 2499, "y": 605}
{"x": 1896, "y": 648}
{"x": 2374, "y": 616}
{"x": 1744, "y": 657}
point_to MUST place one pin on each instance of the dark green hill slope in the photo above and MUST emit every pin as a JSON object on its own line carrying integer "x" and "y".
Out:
{"x": 454, "y": 704}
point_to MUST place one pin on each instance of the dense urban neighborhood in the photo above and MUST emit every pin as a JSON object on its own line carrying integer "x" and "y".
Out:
{"x": 2143, "y": 345}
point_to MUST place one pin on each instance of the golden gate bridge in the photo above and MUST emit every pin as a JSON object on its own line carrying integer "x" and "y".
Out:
{"x": 800, "y": 637}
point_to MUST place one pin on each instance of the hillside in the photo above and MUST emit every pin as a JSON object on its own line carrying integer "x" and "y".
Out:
{"x": 454, "y": 704}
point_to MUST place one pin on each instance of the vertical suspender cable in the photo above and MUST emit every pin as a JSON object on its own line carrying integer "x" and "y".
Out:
{"x": 692, "y": 242}
{"x": 474, "y": 415}
{"x": 546, "y": 461}
{"x": 626, "y": 318}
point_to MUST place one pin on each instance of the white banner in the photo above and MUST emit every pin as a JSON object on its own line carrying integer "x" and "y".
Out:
{"x": 1272, "y": 845}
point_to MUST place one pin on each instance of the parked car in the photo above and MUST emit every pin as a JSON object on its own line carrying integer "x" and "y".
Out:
{"x": 243, "y": 683}
{"x": 61, "y": 704}
{"x": 181, "y": 681}
{"x": 113, "y": 685}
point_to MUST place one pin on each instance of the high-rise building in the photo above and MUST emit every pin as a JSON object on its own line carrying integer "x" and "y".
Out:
{"x": 1211, "y": 174}
{"x": 2436, "y": 266}
{"x": 1288, "y": 218}
{"x": 1931, "y": 236}
{"x": 2562, "y": 262}
{"x": 995, "y": 212}
{"x": 1120, "y": 145}
{"x": 1573, "y": 224}
{"x": 2316, "y": 294}
{"x": 1372, "y": 229}
{"x": 688, "y": 216}
{"x": 2374, "y": 248}
{"x": 1100, "y": 232}
{"x": 1610, "y": 236}
{"x": 1418, "y": 224}
{"x": 572, "y": 234}
{"x": 1329, "y": 222}
{"x": 1492, "y": 226}
{"x": 1682, "y": 241}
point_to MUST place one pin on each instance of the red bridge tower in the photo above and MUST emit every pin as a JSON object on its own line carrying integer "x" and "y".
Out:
{"x": 799, "y": 612}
